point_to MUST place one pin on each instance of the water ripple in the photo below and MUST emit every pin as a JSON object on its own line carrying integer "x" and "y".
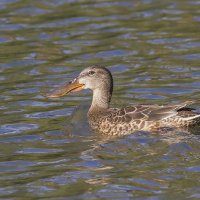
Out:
{"x": 17, "y": 128}
{"x": 50, "y": 114}
{"x": 47, "y": 149}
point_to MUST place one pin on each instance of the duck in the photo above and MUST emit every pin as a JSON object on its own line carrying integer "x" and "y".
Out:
{"x": 129, "y": 119}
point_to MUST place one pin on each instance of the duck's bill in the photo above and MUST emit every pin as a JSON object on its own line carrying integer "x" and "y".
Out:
{"x": 70, "y": 87}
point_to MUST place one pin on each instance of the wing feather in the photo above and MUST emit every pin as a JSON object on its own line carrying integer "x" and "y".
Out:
{"x": 151, "y": 112}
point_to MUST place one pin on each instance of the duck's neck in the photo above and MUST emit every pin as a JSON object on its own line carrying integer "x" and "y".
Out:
{"x": 101, "y": 99}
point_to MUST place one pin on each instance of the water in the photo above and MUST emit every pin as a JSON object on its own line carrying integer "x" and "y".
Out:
{"x": 47, "y": 150}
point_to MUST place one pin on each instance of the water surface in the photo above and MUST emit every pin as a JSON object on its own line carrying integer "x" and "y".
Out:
{"x": 47, "y": 149}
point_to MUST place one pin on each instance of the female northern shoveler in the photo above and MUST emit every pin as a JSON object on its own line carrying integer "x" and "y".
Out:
{"x": 115, "y": 121}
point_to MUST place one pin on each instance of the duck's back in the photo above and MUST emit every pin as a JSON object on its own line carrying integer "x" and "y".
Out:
{"x": 143, "y": 117}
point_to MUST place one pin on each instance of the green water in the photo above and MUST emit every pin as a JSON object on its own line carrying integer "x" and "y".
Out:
{"x": 47, "y": 150}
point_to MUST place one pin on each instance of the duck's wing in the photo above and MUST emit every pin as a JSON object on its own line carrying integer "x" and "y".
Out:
{"x": 148, "y": 112}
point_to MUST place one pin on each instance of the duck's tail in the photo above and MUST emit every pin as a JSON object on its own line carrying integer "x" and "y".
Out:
{"x": 189, "y": 116}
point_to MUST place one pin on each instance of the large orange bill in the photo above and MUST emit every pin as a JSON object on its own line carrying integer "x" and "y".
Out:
{"x": 73, "y": 86}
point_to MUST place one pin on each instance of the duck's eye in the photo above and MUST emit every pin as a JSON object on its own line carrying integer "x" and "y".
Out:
{"x": 91, "y": 73}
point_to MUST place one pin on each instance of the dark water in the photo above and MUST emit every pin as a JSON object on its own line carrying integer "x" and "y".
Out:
{"x": 47, "y": 151}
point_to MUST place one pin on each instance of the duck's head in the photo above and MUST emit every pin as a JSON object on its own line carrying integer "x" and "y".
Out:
{"x": 95, "y": 78}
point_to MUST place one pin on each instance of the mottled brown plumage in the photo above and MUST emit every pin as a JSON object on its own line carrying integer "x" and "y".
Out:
{"x": 115, "y": 121}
